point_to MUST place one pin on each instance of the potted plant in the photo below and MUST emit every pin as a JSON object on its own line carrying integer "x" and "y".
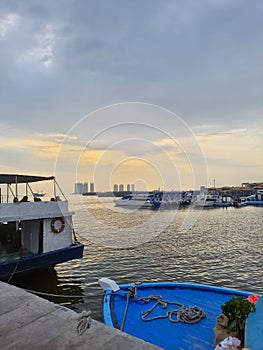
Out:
{"x": 237, "y": 310}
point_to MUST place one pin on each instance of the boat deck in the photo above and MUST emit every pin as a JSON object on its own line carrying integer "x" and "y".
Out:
{"x": 30, "y": 322}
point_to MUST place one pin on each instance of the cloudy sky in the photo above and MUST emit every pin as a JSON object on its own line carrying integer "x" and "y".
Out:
{"x": 161, "y": 93}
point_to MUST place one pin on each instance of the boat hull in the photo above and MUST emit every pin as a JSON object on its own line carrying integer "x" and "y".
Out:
{"x": 133, "y": 203}
{"x": 40, "y": 261}
{"x": 163, "y": 332}
{"x": 255, "y": 203}
{"x": 222, "y": 204}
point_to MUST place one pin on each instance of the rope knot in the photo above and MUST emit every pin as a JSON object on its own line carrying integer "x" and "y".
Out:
{"x": 84, "y": 322}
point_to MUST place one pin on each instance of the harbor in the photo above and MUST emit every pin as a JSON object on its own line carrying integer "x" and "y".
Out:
{"x": 216, "y": 197}
{"x": 119, "y": 243}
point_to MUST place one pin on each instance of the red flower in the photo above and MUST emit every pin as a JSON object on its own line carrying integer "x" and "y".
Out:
{"x": 252, "y": 298}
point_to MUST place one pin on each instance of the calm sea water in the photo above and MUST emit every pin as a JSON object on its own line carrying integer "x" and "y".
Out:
{"x": 220, "y": 246}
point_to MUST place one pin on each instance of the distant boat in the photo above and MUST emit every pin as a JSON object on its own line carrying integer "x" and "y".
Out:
{"x": 175, "y": 199}
{"x": 223, "y": 203}
{"x": 211, "y": 200}
{"x": 39, "y": 194}
{"x": 140, "y": 200}
{"x": 241, "y": 202}
{"x": 205, "y": 200}
{"x": 167, "y": 314}
{"x": 255, "y": 199}
{"x": 34, "y": 234}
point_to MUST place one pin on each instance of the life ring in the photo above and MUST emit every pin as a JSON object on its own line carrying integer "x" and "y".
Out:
{"x": 57, "y": 225}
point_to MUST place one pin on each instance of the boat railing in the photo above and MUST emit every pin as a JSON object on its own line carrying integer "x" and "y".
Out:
{"x": 33, "y": 210}
{"x": 10, "y": 198}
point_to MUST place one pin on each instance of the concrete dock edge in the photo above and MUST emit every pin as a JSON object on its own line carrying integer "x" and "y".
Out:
{"x": 30, "y": 322}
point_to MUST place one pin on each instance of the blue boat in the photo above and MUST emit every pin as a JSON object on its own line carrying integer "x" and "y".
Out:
{"x": 34, "y": 234}
{"x": 167, "y": 314}
{"x": 254, "y": 328}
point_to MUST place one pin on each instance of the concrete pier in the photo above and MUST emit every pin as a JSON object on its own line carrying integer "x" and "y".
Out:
{"x": 30, "y": 322}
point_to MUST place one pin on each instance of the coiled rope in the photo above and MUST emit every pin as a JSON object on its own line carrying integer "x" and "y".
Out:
{"x": 190, "y": 315}
{"x": 84, "y": 322}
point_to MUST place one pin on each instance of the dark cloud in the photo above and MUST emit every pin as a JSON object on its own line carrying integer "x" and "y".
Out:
{"x": 63, "y": 59}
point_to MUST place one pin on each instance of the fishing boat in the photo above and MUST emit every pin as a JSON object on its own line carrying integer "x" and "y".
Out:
{"x": 167, "y": 314}
{"x": 34, "y": 233}
{"x": 140, "y": 200}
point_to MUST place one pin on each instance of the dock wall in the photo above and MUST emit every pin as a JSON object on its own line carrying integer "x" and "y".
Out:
{"x": 30, "y": 322}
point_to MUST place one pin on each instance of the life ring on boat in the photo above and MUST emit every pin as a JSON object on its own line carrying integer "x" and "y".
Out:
{"x": 57, "y": 225}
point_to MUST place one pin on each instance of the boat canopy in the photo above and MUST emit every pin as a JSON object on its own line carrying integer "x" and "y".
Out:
{"x": 18, "y": 179}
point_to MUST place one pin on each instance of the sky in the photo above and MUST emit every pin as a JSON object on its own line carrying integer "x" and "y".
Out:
{"x": 163, "y": 94}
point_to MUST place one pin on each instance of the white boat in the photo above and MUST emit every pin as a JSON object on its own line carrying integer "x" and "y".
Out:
{"x": 255, "y": 199}
{"x": 39, "y": 194}
{"x": 175, "y": 199}
{"x": 205, "y": 200}
{"x": 241, "y": 202}
{"x": 34, "y": 234}
{"x": 140, "y": 200}
{"x": 212, "y": 200}
{"x": 223, "y": 202}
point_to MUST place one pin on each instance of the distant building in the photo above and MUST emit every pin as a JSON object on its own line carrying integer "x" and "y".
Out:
{"x": 121, "y": 188}
{"x": 115, "y": 188}
{"x": 78, "y": 188}
{"x": 92, "y": 188}
{"x": 133, "y": 188}
{"x": 81, "y": 187}
{"x": 252, "y": 185}
{"x": 128, "y": 187}
{"x": 85, "y": 187}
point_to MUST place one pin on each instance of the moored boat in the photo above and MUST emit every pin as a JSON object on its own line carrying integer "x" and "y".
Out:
{"x": 255, "y": 199}
{"x": 212, "y": 200}
{"x": 240, "y": 202}
{"x": 39, "y": 194}
{"x": 176, "y": 199}
{"x": 168, "y": 314}
{"x": 205, "y": 200}
{"x": 34, "y": 234}
{"x": 140, "y": 200}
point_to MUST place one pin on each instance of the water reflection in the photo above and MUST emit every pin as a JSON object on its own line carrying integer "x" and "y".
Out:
{"x": 47, "y": 284}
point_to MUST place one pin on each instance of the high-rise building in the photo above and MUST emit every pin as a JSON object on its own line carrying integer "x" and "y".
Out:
{"x": 115, "y": 188}
{"x": 128, "y": 187}
{"x": 121, "y": 188}
{"x": 85, "y": 187}
{"x": 133, "y": 188}
{"x": 78, "y": 188}
{"x": 92, "y": 188}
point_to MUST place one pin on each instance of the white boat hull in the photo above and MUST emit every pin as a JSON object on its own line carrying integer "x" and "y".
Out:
{"x": 133, "y": 203}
